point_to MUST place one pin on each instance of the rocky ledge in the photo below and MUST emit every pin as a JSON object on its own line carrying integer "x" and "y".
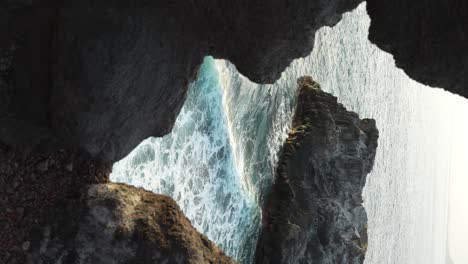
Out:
{"x": 314, "y": 211}
{"x": 59, "y": 208}
{"x": 116, "y": 223}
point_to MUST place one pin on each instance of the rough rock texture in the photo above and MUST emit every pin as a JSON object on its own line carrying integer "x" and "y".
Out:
{"x": 116, "y": 223}
{"x": 103, "y": 76}
{"x": 32, "y": 185}
{"x": 314, "y": 212}
{"x": 98, "y": 77}
{"x": 428, "y": 39}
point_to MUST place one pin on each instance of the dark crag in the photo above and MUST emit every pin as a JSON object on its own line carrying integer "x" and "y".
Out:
{"x": 103, "y": 76}
{"x": 314, "y": 211}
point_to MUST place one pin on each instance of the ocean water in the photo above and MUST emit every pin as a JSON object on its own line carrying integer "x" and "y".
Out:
{"x": 458, "y": 206}
{"x": 196, "y": 165}
{"x": 220, "y": 157}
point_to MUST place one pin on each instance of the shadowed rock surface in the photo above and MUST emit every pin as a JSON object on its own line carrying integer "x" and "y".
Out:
{"x": 116, "y": 223}
{"x": 428, "y": 39}
{"x": 102, "y": 77}
{"x": 98, "y": 78}
{"x": 31, "y": 186}
{"x": 314, "y": 212}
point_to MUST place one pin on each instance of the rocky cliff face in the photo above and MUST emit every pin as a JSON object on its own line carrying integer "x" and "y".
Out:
{"x": 98, "y": 78}
{"x": 116, "y": 223}
{"x": 428, "y": 39}
{"x": 59, "y": 208}
{"x": 103, "y": 77}
{"x": 314, "y": 212}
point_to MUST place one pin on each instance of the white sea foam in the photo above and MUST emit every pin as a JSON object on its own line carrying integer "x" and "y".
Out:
{"x": 221, "y": 155}
{"x": 406, "y": 193}
{"x": 213, "y": 161}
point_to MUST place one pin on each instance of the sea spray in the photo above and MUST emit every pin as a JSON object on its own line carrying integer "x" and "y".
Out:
{"x": 220, "y": 157}
{"x": 220, "y": 153}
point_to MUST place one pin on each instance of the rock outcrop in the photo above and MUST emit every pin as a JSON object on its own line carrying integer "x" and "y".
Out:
{"x": 102, "y": 77}
{"x": 60, "y": 208}
{"x": 428, "y": 39}
{"x": 98, "y": 78}
{"x": 314, "y": 212}
{"x": 77, "y": 76}
{"x": 116, "y": 223}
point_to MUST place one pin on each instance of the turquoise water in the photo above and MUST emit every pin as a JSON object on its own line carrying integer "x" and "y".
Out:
{"x": 220, "y": 157}
{"x": 213, "y": 163}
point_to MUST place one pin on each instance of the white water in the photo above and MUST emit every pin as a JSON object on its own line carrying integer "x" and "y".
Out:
{"x": 406, "y": 194}
{"x": 221, "y": 154}
{"x": 219, "y": 158}
{"x": 195, "y": 165}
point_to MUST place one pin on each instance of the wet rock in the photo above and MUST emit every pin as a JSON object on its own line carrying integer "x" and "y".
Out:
{"x": 117, "y": 223}
{"x": 314, "y": 212}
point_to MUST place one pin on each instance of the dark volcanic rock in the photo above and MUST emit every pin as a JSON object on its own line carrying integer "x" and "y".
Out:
{"x": 50, "y": 214}
{"x": 102, "y": 77}
{"x": 116, "y": 223}
{"x": 428, "y": 39}
{"x": 314, "y": 212}
{"x": 31, "y": 186}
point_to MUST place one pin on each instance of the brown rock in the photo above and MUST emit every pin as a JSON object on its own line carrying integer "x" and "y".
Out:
{"x": 117, "y": 223}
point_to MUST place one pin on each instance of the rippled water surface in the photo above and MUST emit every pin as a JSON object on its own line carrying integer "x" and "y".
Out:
{"x": 220, "y": 157}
